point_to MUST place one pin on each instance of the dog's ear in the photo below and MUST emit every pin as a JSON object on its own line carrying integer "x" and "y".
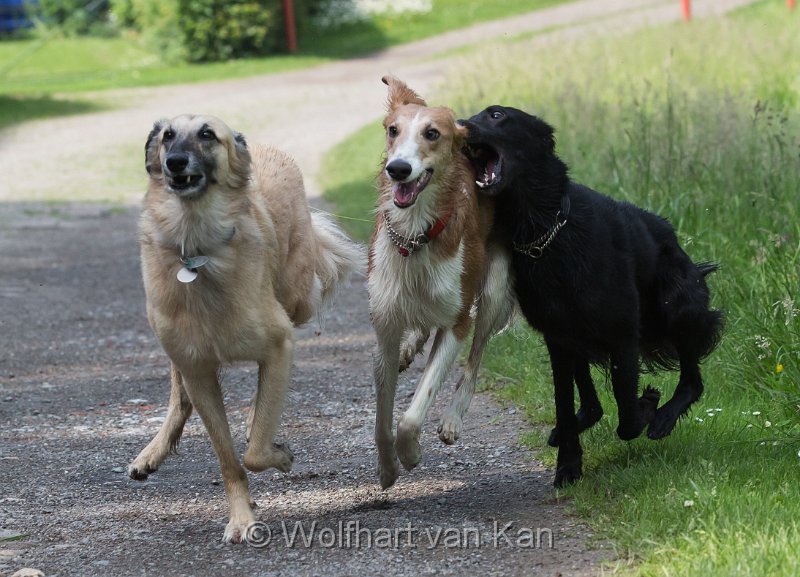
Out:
{"x": 152, "y": 163}
{"x": 400, "y": 94}
{"x": 546, "y": 134}
{"x": 238, "y": 161}
{"x": 459, "y": 135}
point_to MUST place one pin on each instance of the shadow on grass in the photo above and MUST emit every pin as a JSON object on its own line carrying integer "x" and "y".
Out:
{"x": 14, "y": 110}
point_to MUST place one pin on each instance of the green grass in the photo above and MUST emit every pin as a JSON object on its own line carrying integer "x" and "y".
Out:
{"x": 349, "y": 180}
{"x": 700, "y": 124}
{"x": 68, "y": 65}
{"x": 391, "y": 30}
{"x": 33, "y": 70}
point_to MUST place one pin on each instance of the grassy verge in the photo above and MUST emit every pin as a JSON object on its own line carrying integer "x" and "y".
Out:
{"x": 698, "y": 123}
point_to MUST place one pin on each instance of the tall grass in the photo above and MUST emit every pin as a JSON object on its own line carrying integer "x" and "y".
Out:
{"x": 698, "y": 123}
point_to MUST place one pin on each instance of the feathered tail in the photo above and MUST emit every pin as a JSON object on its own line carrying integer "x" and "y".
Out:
{"x": 337, "y": 257}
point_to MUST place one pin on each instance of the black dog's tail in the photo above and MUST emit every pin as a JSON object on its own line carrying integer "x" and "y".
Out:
{"x": 707, "y": 267}
{"x": 687, "y": 321}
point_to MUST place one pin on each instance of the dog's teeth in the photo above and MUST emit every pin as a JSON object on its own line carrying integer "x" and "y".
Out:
{"x": 479, "y": 183}
{"x": 493, "y": 176}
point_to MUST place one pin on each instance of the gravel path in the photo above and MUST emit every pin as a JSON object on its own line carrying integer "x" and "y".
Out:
{"x": 83, "y": 383}
{"x": 83, "y": 387}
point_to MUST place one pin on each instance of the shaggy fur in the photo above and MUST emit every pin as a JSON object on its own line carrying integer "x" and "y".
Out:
{"x": 604, "y": 281}
{"x": 271, "y": 266}
{"x": 435, "y": 284}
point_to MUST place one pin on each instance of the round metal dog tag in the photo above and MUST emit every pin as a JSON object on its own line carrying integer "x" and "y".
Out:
{"x": 186, "y": 275}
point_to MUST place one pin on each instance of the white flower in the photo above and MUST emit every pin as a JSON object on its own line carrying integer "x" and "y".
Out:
{"x": 767, "y": 424}
{"x": 688, "y": 503}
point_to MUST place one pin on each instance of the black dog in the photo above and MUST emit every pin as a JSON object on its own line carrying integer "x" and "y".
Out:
{"x": 604, "y": 281}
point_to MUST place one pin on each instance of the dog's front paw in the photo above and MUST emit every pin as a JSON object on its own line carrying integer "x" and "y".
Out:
{"x": 450, "y": 429}
{"x": 277, "y": 455}
{"x": 388, "y": 472}
{"x": 568, "y": 473}
{"x": 236, "y": 529}
{"x": 407, "y": 444}
{"x": 140, "y": 469}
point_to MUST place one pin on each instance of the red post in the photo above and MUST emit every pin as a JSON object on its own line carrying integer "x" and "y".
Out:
{"x": 791, "y": 4}
{"x": 687, "y": 10}
{"x": 291, "y": 32}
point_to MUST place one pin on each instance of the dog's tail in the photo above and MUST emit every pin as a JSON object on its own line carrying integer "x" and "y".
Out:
{"x": 336, "y": 258}
{"x": 707, "y": 267}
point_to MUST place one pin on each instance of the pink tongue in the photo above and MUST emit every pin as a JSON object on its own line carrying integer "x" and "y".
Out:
{"x": 404, "y": 192}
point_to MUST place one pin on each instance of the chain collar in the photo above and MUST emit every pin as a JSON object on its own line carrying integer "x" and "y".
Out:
{"x": 535, "y": 249}
{"x": 407, "y": 246}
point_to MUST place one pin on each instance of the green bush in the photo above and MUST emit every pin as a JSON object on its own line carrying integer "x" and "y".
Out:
{"x": 219, "y": 30}
{"x": 74, "y": 17}
{"x": 209, "y": 30}
{"x": 156, "y": 21}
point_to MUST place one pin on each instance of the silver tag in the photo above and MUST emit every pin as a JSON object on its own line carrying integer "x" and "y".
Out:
{"x": 186, "y": 275}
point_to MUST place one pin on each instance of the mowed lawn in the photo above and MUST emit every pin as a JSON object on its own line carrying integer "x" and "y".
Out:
{"x": 700, "y": 124}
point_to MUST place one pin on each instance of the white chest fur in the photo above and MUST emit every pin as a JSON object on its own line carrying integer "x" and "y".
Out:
{"x": 418, "y": 291}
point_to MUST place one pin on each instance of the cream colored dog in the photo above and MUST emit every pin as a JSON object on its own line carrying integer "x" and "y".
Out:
{"x": 232, "y": 260}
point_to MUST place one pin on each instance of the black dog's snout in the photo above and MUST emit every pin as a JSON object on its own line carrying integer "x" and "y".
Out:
{"x": 398, "y": 169}
{"x": 177, "y": 162}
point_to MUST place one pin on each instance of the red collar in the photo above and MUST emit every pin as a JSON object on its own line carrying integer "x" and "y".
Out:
{"x": 407, "y": 246}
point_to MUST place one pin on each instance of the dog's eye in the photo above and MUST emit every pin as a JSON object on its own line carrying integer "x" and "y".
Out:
{"x": 392, "y": 131}
{"x": 497, "y": 114}
{"x": 208, "y": 134}
{"x": 431, "y": 134}
{"x": 169, "y": 134}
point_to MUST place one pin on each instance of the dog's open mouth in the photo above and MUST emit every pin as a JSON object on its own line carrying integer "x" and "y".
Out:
{"x": 487, "y": 163}
{"x": 405, "y": 193}
{"x": 185, "y": 183}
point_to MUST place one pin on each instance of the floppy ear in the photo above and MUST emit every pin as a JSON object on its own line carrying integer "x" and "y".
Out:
{"x": 152, "y": 163}
{"x": 238, "y": 162}
{"x": 400, "y": 94}
{"x": 547, "y": 136}
{"x": 459, "y": 135}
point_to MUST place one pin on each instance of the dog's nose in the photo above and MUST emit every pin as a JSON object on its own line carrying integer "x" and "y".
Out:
{"x": 177, "y": 162}
{"x": 398, "y": 169}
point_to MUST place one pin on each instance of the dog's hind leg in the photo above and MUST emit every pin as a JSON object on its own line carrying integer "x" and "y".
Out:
{"x": 634, "y": 413}
{"x": 569, "y": 463}
{"x": 273, "y": 385}
{"x": 495, "y": 306}
{"x": 693, "y": 329}
{"x": 168, "y": 436}
{"x": 689, "y": 389}
{"x": 590, "y": 410}
{"x": 385, "y": 367}
{"x": 202, "y": 387}
{"x": 443, "y": 354}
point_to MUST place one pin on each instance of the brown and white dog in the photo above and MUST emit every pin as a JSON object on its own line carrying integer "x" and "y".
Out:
{"x": 232, "y": 259}
{"x": 431, "y": 262}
